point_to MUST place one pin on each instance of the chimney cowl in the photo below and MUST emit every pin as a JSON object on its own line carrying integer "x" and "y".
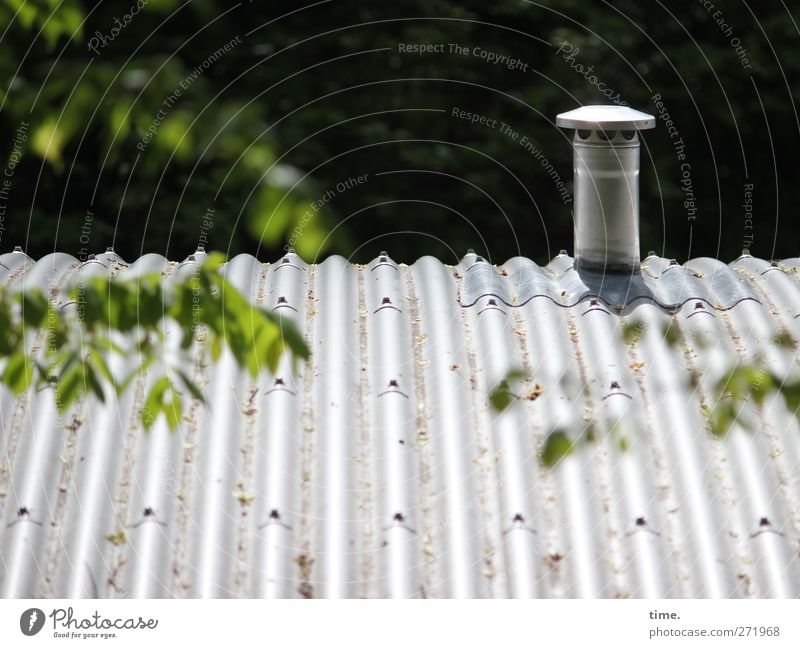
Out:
{"x": 606, "y": 167}
{"x": 605, "y": 118}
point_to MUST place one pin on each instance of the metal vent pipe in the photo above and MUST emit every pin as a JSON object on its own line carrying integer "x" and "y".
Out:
{"x": 606, "y": 166}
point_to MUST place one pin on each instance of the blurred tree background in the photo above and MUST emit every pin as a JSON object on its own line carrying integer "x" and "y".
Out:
{"x": 156, "y": 125}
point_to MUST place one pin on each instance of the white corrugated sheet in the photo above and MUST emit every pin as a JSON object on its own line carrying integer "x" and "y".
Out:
{"x": 380, "y": 469}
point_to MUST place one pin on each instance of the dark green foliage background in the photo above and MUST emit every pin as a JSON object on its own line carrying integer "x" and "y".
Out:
{"x": 325, "y": 92}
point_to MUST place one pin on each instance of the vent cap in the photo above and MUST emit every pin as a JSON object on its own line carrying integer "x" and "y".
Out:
{"x": 605, "y": 118}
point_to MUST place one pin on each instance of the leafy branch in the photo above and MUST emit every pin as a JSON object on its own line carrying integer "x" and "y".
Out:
{"x": 116, "y": 319}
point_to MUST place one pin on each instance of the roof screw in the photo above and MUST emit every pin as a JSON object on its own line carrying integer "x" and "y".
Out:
{"x": 285, "y": 260}
{"x": 386, "y": 300}
{"x": 279, "y": 381}
{"x": 764, "y": 522}
{"x": 562, "y": 253}
{"x": 23, "y": 511}
{"x": 399, "y": 517}
{"x": 640, "y": 521}
{"x": 615, "y": 385}
{"x": 470, "y": 251}
{"x": 492, "y": 302}
{"x": 592, "y": 302}
{"x": 274, "y": 515}
{"x": 774, "y": 263}
{"x": 393, "y": 384}
{"x": 290, "y": 249}
{"x": 148, "y": 512}
{"x": 383, "y": 259}
{"x": 479, "y": 259}
{"x": 190, "y": 257}
{"x": 17, "y": 248}
{"x": 110, "y": 249}
{"x": 651, "y": 253}
{"x": 673, "y": 262}
{"x": 281, "y": 300}
{"x": 200, "y": 248}
{"x": 92, "y": 257}
{"x": 698, "y": 305}
{"x": 518, "y": 519}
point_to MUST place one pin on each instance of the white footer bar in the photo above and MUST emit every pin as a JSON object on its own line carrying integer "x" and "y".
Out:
{"x": 401, "y": 624}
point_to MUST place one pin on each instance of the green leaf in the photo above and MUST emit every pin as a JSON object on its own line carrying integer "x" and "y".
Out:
{"x": 557, "y": 446}
{"x": 746, "y": 381}
{"x": 175, "y": 135}
{"x": 99, "y": 364}
{"x": 94, "y": 383}
{"x": 173, "y": 409}
{"x": 18, "y": 373}
{"x": 273, "y": 213}
{"x": 56, "y": 334}
{"x": 501, "y": 397}
{"x": 106, "y": 344}
{"x": 268, "y": 348}
{"x": 154, "y": 402}
{"x": 291, "y": 335}
{"x": 69, "y": 386}
{"x": 10, "y": 336}
{"x": 34, "y": 308}
{"x": 163, "y": 398}
{"x": 791, "y": 394}
{"x": 312, "y": 235}
{"x": 214, "y": 261}
{"x": 119, "y": 121}
{"x": 47, "y": 141}
{"x": 722, "y": 418}
{"x": 216, "y": 347}
{"x": 149, "y": 302}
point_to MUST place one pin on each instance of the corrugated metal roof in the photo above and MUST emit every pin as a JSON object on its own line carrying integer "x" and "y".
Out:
{"x": 381, "y": 470}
